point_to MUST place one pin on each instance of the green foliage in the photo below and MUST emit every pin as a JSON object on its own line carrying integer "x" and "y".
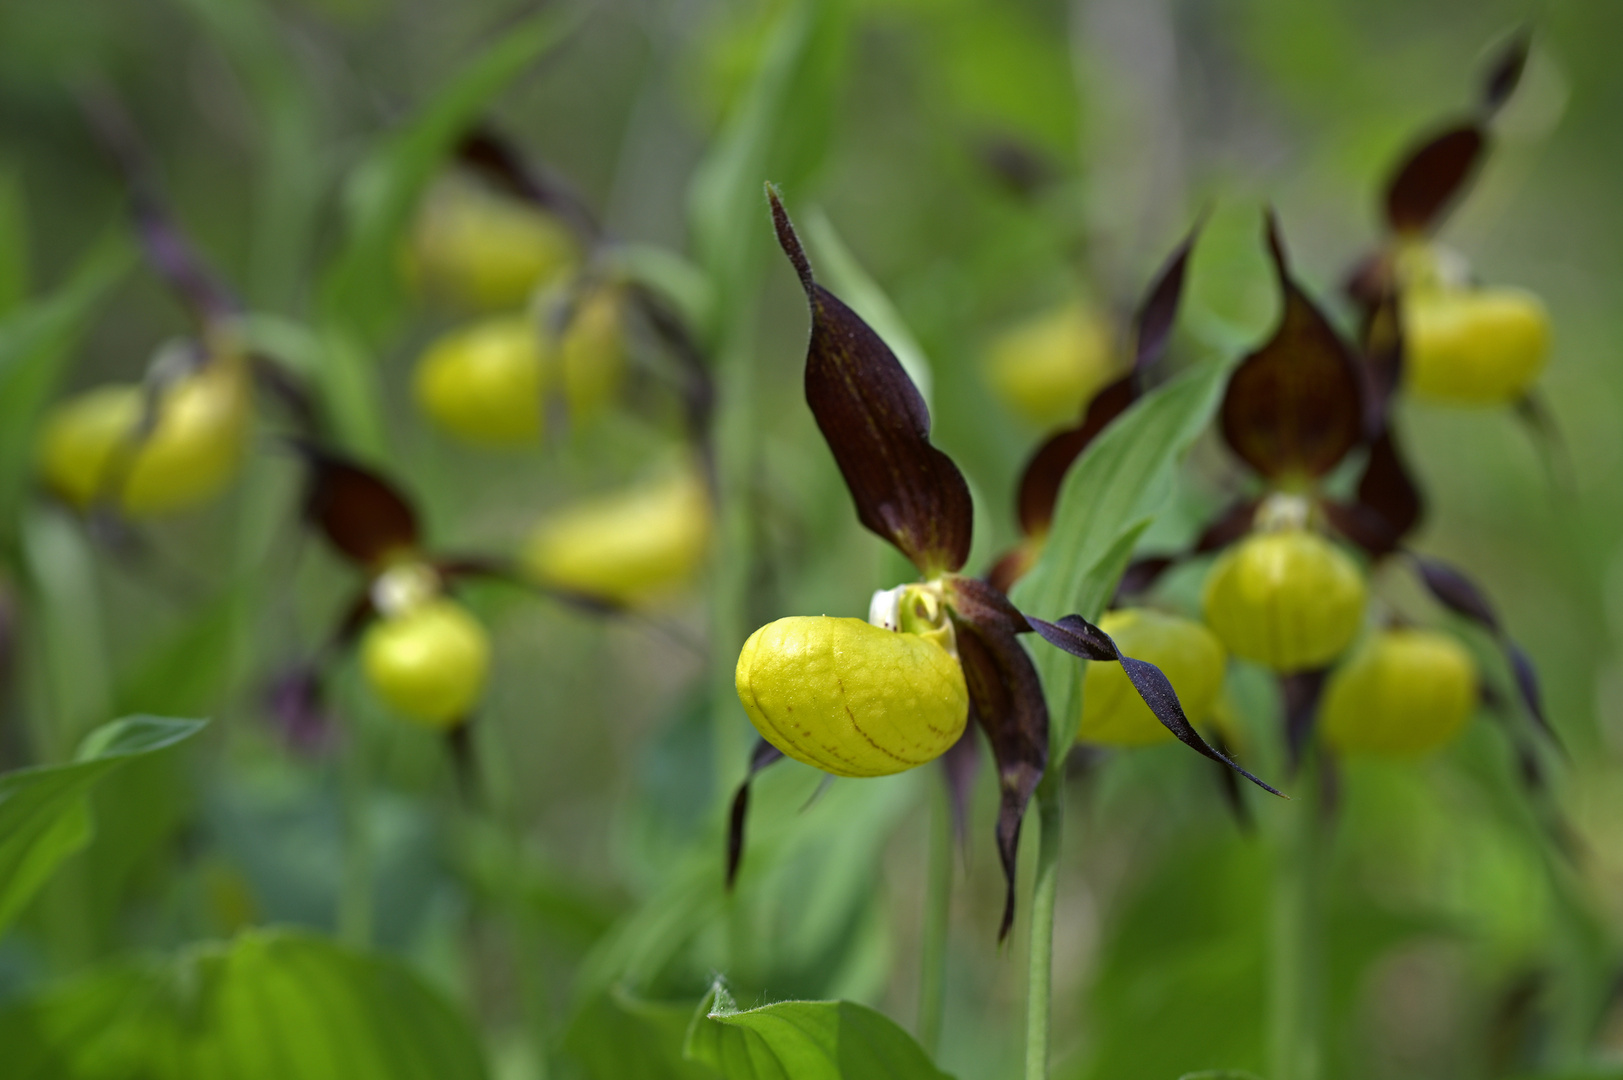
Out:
{"x": 271, "y": 1004}
{"x": 804, "y": 1040}
{"x": 1107, "y": 500}
{"x": 44, "y": 817}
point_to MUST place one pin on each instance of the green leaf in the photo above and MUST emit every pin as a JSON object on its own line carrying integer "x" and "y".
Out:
{"x": 804, "y": 1040}
{"x": 269, "y": 1005}
{"x": 617, "y": 1036}
{"x": 1109, "y": 496}
{"x": 35, "y": 343}
{"x": 14, "y": 263}
{"x": 43, "y": 814}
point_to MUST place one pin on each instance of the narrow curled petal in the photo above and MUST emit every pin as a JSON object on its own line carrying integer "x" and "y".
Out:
{"x": 959, "y": 767}
{"x": 363, "y": 515}
{"x": 1301, "y": 691}
{"x": 1006, "y": 697}
{"x": 878, "y": 428}
{"x": 761, "y": 755}
{"x": 1506, "y": 71}
{"x": 491, "y": 154}
{"x": 1294, "y": 408}
{"x": 1152, "y": 325}
{"x": 1080, "y": 638}
{"x": 1461, "y": 595}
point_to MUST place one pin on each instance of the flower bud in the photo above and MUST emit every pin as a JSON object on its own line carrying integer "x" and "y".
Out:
{"x": 483, "y": 251}
{"x": 483, "y": 382}
{"x": 1287, "y": 599}
{"x": 1403, "y": 692}
{"x": 97, "y": 444}
{"x": 850, "y": 698}
{"x": 1474, "y": 346}
{"x": 1188, "y": 654}
{"x": 628, "y": 546}
{"x": 428, "y": 662}
{"x": 1047, "y": 368}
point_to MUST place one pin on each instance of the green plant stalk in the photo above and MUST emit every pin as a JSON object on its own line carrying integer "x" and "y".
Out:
{"x": 1294, "y": 1012}
{"x": 937, "y": 908}
{"x": 1040, "y": 973}
{"x": 355, "y": 887}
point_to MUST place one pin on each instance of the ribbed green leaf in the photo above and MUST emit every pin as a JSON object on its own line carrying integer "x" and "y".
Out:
{"x": 269, "y": 1005}
{"x": 804, "y": 1040}
{"x": 43, "y": 814}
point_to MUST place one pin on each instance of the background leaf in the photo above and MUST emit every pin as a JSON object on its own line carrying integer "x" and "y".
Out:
{"x": 43, "y": 814}
{"x": 271, "y": 1004}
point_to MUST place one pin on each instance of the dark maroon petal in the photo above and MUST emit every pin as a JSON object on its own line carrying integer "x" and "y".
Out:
{"x": 1462, "y": 596}
{"x": 299, "y": 710}
{"x": 1141, "y": 576}
{"x": 1300, "y": 691}
{"x": 1045, "y": 472}
{"x": 1294, "y": 407}
{"x": 761, "y": 755}
{"x": 985, "y": 605}
{"x": 1077, "y": 636}
{"x": 1506, "y": 71}
{"x": 1382, "y": 341}
{"x": 1152, "y": 325}
{"x": 490, "y": 154}
{"x": 1431, "y": 177}
{"x": 959, "y": 767}
{"x": 878, "y": 429}
{"x": 1006, "y": 697}
{"x": 1229, "y": 784}
{"x": 363, "y": 515}
{"x": 1388, "y": 505}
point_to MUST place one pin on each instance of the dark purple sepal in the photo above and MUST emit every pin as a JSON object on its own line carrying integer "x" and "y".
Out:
{"x": 1432, "y": 177}
{"x": 1387, "y": 506}
{"x": 1300, "y": 692}
{"x": 1080, "y": 638}
{"x": 878, "y": 428}
{"x": 363, "y": 515}
{"x": 762, "y": 754}
{"x": 1294, "y": 407}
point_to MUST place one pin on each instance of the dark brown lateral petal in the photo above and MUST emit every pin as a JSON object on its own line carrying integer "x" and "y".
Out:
{"x": 1140, "y": 576}
{"x": 985, "y": 605}
{"x": 1294, "y": 407}
{"x": 1461, "y": 595}
{"x": 1381, "y": 339}
{"x": 1045, "y": 472}
{"x": 1431, "y": 177}
{"x": 1077, "y": 636}
{"x": 1152, "y": 324}
{"x": 878, "y": 428}
{"x": 1300, "y": 691}
{"x": 959, "y": 767}
{"x": 1506, "y": 71}
{"x": 493, "y": 156}
{"x": 362, "y": 514}
{"x": 1388, "y": 505}
{"x": 1006, "y": 697}
{"x": 1229, "y": 784}
{"x": 761, "y": 755}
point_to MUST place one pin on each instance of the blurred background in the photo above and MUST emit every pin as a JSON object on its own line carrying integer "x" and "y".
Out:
{"x": 983, "y": 161}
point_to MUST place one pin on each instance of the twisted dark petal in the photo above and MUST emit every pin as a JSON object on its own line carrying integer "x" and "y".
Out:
{"x": 959, "y": 767}
{"x": 1382, "y": 341}
{"x": 491, "y": 154}
{"x": 1301, "y": 691}
{"x": 1506, "y": 71}
{"x": 1229, "y": 784}
{"x": 761, "y": 755}
{"x": 1152, "y": 325}
{"x": 1006, "y": 698}
{"x": 363, "y": 515}
{"x": 1461, "y": 595}
{"x": 1294, "y": 408}
{"x": 1387, "y": 506}
{"x": 878, "y": 429}
{"x": 1431, "y": 178}
{"x": 1077, "y": 636}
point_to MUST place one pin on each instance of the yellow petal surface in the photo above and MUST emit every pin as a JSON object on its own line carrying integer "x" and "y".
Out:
{"x": 1402, "y": 693}
{"x": 429, "y": 663}
{"x": 1290, "y": 600}
{"x": 483, "y": 383}
{"x": 850, "y": 698}
{"x": 1047, "y": 368}
{"x": 1475, "y": 346}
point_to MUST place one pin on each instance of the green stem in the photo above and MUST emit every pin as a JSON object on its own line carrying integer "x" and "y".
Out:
{"x": 1294, "y": 1006}
{"x": 355, "y": 887}
{"x": 937, "y": 908}
{"x": 1051, "y": 818}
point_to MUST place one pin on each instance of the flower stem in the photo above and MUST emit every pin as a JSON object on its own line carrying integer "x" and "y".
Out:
{"x": 1293, "y": 1030}
{"x": 937, "y": 907}
{"x": 1051, "y": 818}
